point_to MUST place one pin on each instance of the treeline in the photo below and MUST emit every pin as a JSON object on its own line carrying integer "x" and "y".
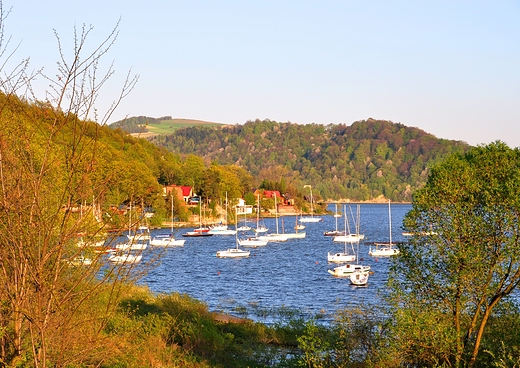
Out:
{"x": 363, "y": 161}
{"x": 124, "y": 169}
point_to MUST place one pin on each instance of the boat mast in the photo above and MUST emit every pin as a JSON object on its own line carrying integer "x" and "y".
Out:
{"x": 258, "y": 213}
{"x": 276, "y": 212}
{"x": 390, "y": 221}
{"x": 172, "y": 214}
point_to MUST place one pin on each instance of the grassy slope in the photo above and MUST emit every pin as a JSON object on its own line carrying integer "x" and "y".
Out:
{"x": 169, "y": 126}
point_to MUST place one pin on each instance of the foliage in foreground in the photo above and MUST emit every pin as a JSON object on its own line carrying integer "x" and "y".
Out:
{"x": 455, "y": 278}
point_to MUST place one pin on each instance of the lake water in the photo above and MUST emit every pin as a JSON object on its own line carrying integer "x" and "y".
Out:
{"x": 288, "y": 276}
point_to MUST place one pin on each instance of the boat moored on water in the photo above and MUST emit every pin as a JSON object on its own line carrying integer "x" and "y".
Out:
{"x": 233, "y": 253}
{"x": 125, "y": 258}
{"x": 166, "y": 240}
{"x": 385, "y": 249}
{"x": 359, "y": 278}
{"x": 348, "y": 269}
{"x": 196, "y": 233}
{"x": 340, "y": 257}
{"x": 252, "y": 242}
{"x": 311, "y": 218}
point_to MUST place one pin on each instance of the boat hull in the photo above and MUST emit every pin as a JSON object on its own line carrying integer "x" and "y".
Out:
{"x": 340, "y": 257}
{"x": 350, "y": 238}
{"x": 359, "y": 278}
{"x": 311, "y": 219}
{"x": 347, "y": 270}
{"x": 167, "y": 241}
{"x": 233, "y": 253}
{"x": 195, "y": 234}
{"x": 383, "y": 252}
{"x": 252, "y": 242}
{"x": 273, "y": 237}
{"x": 294, "y": 235}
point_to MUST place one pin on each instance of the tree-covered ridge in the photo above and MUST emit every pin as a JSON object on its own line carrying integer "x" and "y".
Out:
{"x": 363, "y": 161}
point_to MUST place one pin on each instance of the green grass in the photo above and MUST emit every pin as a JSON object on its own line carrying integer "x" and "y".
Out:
{"x": 169, "y": 126}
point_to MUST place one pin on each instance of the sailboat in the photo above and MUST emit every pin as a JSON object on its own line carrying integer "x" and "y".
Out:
{"x": 310, "y": 218}
{"x": 200, "y": 231}
{"x": 298, "y": 226}
{"x": 296, "y": 235}
{"x": 342, "y": 257}
{"x": 359, "y": 278}
{"x": 167, "y": 240}
{"x": 260, "y": 228}
{"x": 135, "y": 240}
{"x": 233, "y": 252}
{"x": 222, "y": 228}
{"x": 125, "y": 258}
{"x": 141, "y": 233}
{"x": 244, "y": 227}
{"x": 274, "y": 237}
{"x": 385, "y": 249}
{"x": 334, "y": 232}
{"x": 349, "y": 268}
{"x": 254, "y": 241}
{"x": 347, "y": 236}
{"x": 357, "y": 222}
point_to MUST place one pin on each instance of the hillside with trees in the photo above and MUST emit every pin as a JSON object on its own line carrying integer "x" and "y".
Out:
{"x": 364, "y": 161}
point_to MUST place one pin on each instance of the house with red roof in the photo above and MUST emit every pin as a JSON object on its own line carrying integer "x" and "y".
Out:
{"x": 184, "y": 193}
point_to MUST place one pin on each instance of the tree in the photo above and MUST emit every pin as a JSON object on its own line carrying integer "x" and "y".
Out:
{"x": 463, "y": 260}
{"x": 47, "y": 165}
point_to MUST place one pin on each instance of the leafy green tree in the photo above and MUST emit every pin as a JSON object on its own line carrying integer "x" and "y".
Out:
{"x": 193, "y": 168}
{"x": 52, "y": 313}
{"x": 462, "y": 262}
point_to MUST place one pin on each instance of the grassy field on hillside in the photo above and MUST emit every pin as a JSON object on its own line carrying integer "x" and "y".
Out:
{"x": 169, "y": 126}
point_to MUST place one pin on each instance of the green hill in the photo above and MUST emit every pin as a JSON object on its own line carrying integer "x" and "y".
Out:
{"x": 367, "y": 160}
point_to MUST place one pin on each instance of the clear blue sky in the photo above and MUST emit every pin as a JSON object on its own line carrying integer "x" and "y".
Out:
{"x": 451, "y": 68}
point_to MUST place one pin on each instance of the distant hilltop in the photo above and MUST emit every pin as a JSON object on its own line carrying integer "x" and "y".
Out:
{"x": 145, "y": 126}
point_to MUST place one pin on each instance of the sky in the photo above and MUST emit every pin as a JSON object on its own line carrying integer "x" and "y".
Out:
{"x": 450, "y": 68}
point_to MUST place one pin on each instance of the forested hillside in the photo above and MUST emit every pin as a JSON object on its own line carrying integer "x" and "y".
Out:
{"x": 363, "y": 161}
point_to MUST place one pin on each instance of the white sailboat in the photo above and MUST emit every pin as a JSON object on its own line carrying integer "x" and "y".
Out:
{"x": 131, "y": 246}
{"x": 244, "y": 227}
{"x": 142, "y": 233}
{"x": 335, "y": 232}
{"x": 260, "y": 228}
{"x": 310, "y": 218}
{"x": 233, "y": 252}
{"x": 357, "y": 222}
{"x": 254, "y": 241}
{"x": 298, "y": 226}
{"x": 346, "y": 236}
{"x": 349, "y": 268}
{"x": 167, "y": 240}
{"x": 385, "y": 249}
{"x": 125, "y": 258}
{"x": 200, "y": 231}
{"x": 359, "y": 278}
{"x": 296, "y": 235}
{"x": 223, "y": 229}
{"x": 274, "y": 237}
{"x": 342, "y": 257}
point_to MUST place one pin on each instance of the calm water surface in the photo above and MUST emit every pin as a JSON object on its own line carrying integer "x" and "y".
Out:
{"x": 280, "y": 276}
